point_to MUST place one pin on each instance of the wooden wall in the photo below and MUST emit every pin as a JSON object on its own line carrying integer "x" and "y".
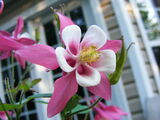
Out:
{"x": 127, "y": 76}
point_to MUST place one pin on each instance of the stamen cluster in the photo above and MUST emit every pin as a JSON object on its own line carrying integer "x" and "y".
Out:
{"x": 89, "y": 54}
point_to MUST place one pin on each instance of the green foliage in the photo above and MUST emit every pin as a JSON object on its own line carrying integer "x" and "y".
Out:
{"x": 150, "y": 25}
{"x": 25, "y": 85}
{"x": 25, "y": 101}
{"x": 114, "y": 77}
{"x": 10, "y": 107}
{"x": 80, "y": 107}
{"x": 40, "y": 101}
{"x": 70, "y": 106}
{"x": 46, "y": 95}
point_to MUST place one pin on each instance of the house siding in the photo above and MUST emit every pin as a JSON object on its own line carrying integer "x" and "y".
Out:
{"x": 127, "y": 76}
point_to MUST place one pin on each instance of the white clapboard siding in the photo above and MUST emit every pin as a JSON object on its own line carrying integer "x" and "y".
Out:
{"x": 127, "y": 76}
{"x": 145, "y": 56}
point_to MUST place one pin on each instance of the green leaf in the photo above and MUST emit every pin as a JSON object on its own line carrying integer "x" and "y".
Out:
{"x": 80, "y": 107}
{"x": 114, "y": 77}
{"x": 10, "y": 107}
{"x": 40, "y": 101}
{"x": 70, "y": 105}
{"x": 27, "y": 84}
{"x": 24, "y": 101}
{"x": 46, "y": 95}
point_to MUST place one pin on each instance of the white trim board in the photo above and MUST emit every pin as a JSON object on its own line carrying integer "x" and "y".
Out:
{"x": 31, "y": 12}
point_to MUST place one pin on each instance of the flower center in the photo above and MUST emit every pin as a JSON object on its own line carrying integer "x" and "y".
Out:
{"x": 89, "y": 55}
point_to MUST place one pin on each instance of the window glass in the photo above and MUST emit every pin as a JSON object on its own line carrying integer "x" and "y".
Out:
{"x": 50, "y": 33}
{"x": 156, "y": 3}
{"x": 78, "y": 18}
{"x": 156, "y": 51}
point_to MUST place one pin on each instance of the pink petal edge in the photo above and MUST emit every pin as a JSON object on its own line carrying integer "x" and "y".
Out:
{"x": 39, "y": 54}
{"x": 64, "y": 88}
{"x": 64, "y": 21}
{"x": 103, "y": 89}
{"x": 19, "y": 27}
{"x": 2, "y": 6}
{"x": 26, "y": 41}
{"x": 114, "y": 45}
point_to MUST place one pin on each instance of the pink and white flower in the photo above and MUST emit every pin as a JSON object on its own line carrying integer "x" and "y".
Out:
{"x": 84, "y": 62}
{"x": 85, "y": 58}
{"x": 25, "y": 49}
{"x": 104, "y": 112}
{"x": 1, "y": 6}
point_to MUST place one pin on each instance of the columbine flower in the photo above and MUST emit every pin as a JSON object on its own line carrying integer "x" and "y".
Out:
{"x": 84, "y": 63}
{"x": 1, "y": 6}
{"x": 3, "y": 115}
{"x": 15, "y": 41}
{"x": 25, "y": 48}
{"x": 104, "y": 112}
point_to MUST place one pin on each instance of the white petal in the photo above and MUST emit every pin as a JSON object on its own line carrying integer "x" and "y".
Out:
{"x": 71, "y": 36}
{"x": 62, "y": 57}
{"x": 87, "y": 76}
{"x": 95, "y": 36}
{"x": 107, "y": 62}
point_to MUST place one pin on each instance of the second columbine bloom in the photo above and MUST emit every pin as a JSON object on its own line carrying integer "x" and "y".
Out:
{"x": 85, "y": 57}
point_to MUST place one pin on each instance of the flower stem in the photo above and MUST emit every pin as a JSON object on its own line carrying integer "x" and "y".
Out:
{"x": 85, "y": 109}
{"x": 25, "y": 72}
{"x": 12, "y": 70}
{"x": 9, "y": 91}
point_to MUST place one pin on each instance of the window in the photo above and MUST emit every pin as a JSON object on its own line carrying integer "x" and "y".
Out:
{"x": 156, "y": 3}
{"x": 156, "y": 51}
{"x": 157, "y": 6}
{"x": 29, "y": 111}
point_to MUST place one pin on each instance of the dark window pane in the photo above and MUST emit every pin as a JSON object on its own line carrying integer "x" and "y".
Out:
{"x": 58, "y": 70}
{"x": 156, "y": 51}
{"x": 50, "y": 33}
{"x": 156, "y": 3}
{"x": 33, "y": 117}
{"x": 80, "y": 91}
{"x": 4, "y": 63}
{"x": 159, "y": 13}
{"x": 78, "y": 18}
{"x": 23, "y": 118}
{"x": 30, "y": 105}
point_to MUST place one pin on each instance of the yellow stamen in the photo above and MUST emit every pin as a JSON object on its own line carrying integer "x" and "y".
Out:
{"x": 89, "y": 55}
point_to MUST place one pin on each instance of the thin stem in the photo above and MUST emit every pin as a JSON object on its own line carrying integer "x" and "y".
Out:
{"x": 12, "y": 70}
{"x": 26, "y": 71}
{"x": 20, "y": 102}
{"x": 130, "y": 46}
{"x": 21, "y": 96}
{"x": 85, "y": 109}
{"x": 4, "y": 109}
{"x": 9, "y": 91}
